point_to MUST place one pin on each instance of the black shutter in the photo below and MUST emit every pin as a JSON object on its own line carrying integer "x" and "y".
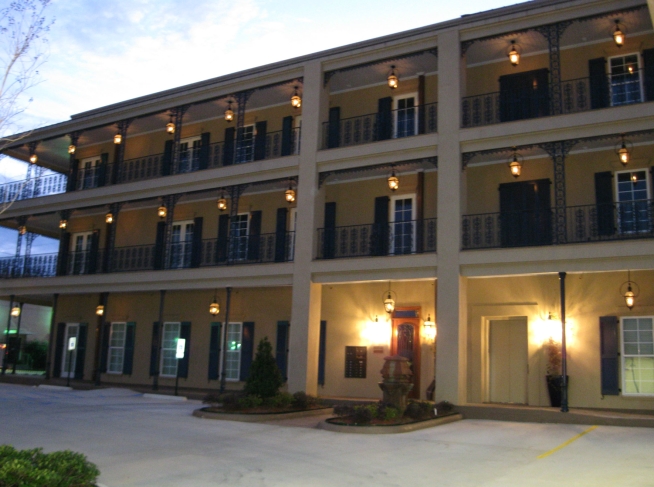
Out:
{"x": 247, "y": 349}
{"x": 379, "y": 237}
{"x": 205, "y": 148}
{"x": 287, "y": 136}
{"x": 59, "y": 349}
{"x": 214, "y": 351}
{"x": 159, "y": 251}
{"x": 93, "y": 253}
{"x": 609, "y": 353}
{"x": 322, "y": 350}
{"x": 254, "y": 236}
{"x": 384, "y": 118}
{"x": 114, "y": 173}
{"x": 280, "y": 235}
{"x": 196, "y": 247}
{"x": 228, "y": 146}
{"x": 281, "y": 351}
{"x": 329, "y": 231}
{"x": 71, "y": 183}
{"x": 599, "y": 83}
{"x": 128, "y": 357}
{"x": 167, "y": 158}
{"x": 648, "y": 74}
{"x": 604, "y": 203}
{"x": 106, "y": 329}
{"x": 81, "y": 351}
{"x": 524, "y": 95}
{"x": 260, "y": 141}
{"x": 525, "y": 213}
{"x": 62, "y": 258}
{"x": 421, "y": 104}
{"x": 334, "y": 128}
{"x": 102, "y": 170}
{"x": 154, "y": 349}
{"x": 222, "y": 241}
{"x": 185, "y": 333}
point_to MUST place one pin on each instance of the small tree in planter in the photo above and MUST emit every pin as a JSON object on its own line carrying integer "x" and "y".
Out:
{"x": 265, "y": 378}
{"x": 554, "y": 358}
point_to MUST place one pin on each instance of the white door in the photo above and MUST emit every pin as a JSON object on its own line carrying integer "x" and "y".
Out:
{"x": 507, "y": 354}
{"x": 405, "y": 112}
{"x": 189, "y": 154}
{"x": 69, "y": 358}
{"x": 80, "y": 251}
{"x": 403, "y": 228}
{"x": 181, "y": 244}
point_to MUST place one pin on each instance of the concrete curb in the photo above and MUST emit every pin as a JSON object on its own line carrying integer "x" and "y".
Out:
{"x": 384, "y": 430}
{"x": 165, "y": 397}
{"x": 259, "y": 418}
{"x": 48, "y": 387}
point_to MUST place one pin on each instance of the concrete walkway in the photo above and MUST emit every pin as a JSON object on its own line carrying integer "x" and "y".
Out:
{"x": 154, "y": 441}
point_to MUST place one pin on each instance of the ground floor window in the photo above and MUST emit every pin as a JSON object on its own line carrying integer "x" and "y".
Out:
{"x": 116, "y": 348}
{"x": 233, "y": 351}
{"x": 638, "y": 355}
{"x": 168, "y": 349}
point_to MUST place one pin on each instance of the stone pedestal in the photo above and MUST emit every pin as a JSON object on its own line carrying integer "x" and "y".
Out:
{"x": 396, "y": 382}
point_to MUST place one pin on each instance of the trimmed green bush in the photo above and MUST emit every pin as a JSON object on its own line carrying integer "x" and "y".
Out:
{"x": 302, "y": 400}
{"x": 265, "y": 379}
{"x": 281, "y": 400}
{"x": 250, "y": 401}
{"x": 33, "y": 468}
{"x": 35, "y": 354}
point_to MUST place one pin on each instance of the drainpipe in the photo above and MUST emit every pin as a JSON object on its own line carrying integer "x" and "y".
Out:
{"x": 564, "y": 358}
{"x": 224, "y": 347}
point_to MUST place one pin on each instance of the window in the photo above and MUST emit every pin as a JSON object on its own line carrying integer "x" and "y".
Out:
{"x": 637, "y": 356}
{"x": 297, "y": 131}
{"x": 169, "y": 348}
{"x": 181, "y": 244}
{"x": 625, "y": 79}
{"x": 406, "y": 115}
{"x": 70, "y": 358}
{"x": 88, "y": 173}
{"x": 189, "y": 154}
{"x": 233, "y": 351}
{"x": 239, "y": 236}
{"x": 290, "y": 243}
{"x": 632, "y": 193}
{"x": 80, "y": 248}
{"x": 245, "y": 144}
{"x": 403, "y": 228}
{"x": 116, "y": 353}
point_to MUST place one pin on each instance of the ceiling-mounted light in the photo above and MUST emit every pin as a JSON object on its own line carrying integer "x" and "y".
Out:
{"x": 118, "y": 138}
{"x": 229, "y": 113}
{"x": 22, "y": 229}
{"x": 170, "y": 126}
{"x": 392, "y": 80}
{"x": 72, "y": 149}
{"x": 515, "y": 166}
{"x": 63, "y": 224}
{"x": 430, "y": 328}
{"x": 296, "y": 101}
{"x": 624, "y": 151}
{"x": 514, "y": 53}
{"x": 162, "y": 212}
{"x": 214, "y": 307}
{"x": 99, "y": 310}
{"x": 15, "y": 311}
{"x": 389, "y": 302}
{"x": 618, "y": 34}
{"x": 393, "y": 181}
{"x": 630, "y": 291}
{"x": 289, "y": 194}
{"x": 221, "y": 203}
{"x": 33, "y": 158}
{"x": 109, "y": 218}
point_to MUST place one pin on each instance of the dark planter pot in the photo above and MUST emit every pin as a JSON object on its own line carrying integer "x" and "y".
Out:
{"x": 554, "y": 385}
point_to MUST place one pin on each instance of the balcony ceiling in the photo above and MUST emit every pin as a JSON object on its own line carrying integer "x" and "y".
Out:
{"x": 578, "y": 33}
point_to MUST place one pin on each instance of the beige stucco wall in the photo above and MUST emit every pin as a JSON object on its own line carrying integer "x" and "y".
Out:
{"x": 588, "y": 296}
{"x": 350, "y": 311}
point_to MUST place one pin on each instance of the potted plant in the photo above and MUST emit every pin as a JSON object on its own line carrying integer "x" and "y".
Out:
{"x": 554, "y": 377}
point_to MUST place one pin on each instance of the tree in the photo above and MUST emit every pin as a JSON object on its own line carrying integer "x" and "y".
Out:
{"x": 265, "y": 379}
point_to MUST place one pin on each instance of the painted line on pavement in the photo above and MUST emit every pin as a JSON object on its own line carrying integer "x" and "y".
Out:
{"x": 563, "y": 445}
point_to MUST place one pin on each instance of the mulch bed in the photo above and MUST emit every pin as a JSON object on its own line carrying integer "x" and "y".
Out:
{"x": 350, "y": 420}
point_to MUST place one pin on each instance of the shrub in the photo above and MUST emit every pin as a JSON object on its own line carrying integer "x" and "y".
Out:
{"x": 250, "y": 401}
{"x": 34, "y": 468}
{"x": 419, "y": 410}
{"x": 214, "y": 399}
{"x": 230, "y": 400}
{"x": 364, "y": 414}
{"x": 344, "y": 410}
{"x": 281, "y": 400}
{"x": 265, "y": 379}
{"x": 444, "y": 407}
{"x": 391, "y": 413}
{"x": 36, "y": 353}
{"x": 302, "y": 400}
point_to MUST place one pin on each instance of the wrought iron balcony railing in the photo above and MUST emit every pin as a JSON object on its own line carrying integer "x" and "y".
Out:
{"x": 586, "y": 223}
{"x": 577, "y": 95}
{"x": 374, "y": 127}
{"x": 33, "y": 188}
{"x": 43, "y": 265}
{"x": 400, "y": 238}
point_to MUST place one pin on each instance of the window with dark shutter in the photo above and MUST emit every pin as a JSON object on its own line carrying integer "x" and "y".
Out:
{"x": 334, "y": 128}
{"x": 167, "y": 158}
{"x": 281, "y": 349}
{"x": 280, "y": 234}
{"x": 384, "y": 118}
{"x": 59, "y": 349}
{"x": 322, "y": 352}
{"x": 81, "y": 351}
{"x": 154, "y": 349}
{"x": 609, "y": 353}
{"x": 247, "y": 350}
{"x": 196, "y": 249}
{"x": 379, "y": 236}
{"x": 525, "y": 213}
{"x": 260, "y": 140}
{"x": 599, "y": 83}
{"x": 329, "y": 231}
{"x": 524, "y": 95}
{"x": 604, "y": 203}
{"x": 254, "y": 234}
{"x": 128, "y": 357}
{"x": 214, "y": 351}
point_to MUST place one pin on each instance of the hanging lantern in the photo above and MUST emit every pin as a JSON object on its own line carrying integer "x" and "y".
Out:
{"x": 222, "y": 202}
{"x": 170, "y": 126}
{"x": 515, "y": 166}
{"x": 514, "y": 54}
{"x": 214, "y": 307}
{"x": 624, "y": 152}
{"x": 109, "y": 218}
{"x": 99, "y": 310}
{"x": 118, "y": 138}
{"x": 72, "y": 149}
{"x": 393, "y": 181}
{"x": 389, "y": 302}
{"x": 162, "y": 212}
{"x": 63, "y": 224}
{"x": 289, "y": 194}
{"x": 229, "y": 113}
{"x": 15, "y": 311}
{"x": 430, "y": 328}
{"x": 22, "y": 230}
{"x": 392, "y": 80}
{"x": 33, "y": 158}
{"x": 618, "y": 35}
{"x": 630, "y": 291}
{"x": 296, "y": 101}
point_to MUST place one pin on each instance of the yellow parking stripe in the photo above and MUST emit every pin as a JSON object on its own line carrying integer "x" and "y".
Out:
{"x": 563, "y": 445}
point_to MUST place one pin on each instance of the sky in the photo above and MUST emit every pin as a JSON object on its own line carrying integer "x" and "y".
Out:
{"x": 103, "y": 52}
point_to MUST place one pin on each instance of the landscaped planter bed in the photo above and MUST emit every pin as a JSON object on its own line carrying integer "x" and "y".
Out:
{"x": 258, "y": 416}
{"x": 346, "y": 424}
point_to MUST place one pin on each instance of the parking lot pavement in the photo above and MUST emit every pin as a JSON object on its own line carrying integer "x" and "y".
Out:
{"x": 154, "y": 441}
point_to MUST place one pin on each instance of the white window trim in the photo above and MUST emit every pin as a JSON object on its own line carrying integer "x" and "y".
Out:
{"x": 623, "y": 357}
{"x": 122, "y": 348}
{"x": 73, "y": 358}
{"x": 183, "y": 224}
{"x": 630, "y": 171}
{"x": 161, "y": 359}
{"x": 391, "y": 217}
{"x": 640, "y": 74}
{"x": 224, "y": 351}
{"x": 251, "y": 142}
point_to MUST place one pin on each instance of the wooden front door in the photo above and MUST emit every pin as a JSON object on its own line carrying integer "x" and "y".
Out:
{"x": 406, "y": 342}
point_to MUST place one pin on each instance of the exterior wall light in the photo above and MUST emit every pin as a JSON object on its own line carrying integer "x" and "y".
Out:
{"x": 170, "y": 126}
{"x": 296, "y": 101}
{"x": 72, "y": 149}
{"x": 109, "y": 218}
{"x": 162, "y": 212}
{"x": 515, "y": 165}
{"x": 63, "y": 224}
{"x": 624, "y": 151}
{"x": 118, "y": 139}
{"x": 429, "y": 328}
{"x": 289, "y": 194}
{"x": 229, "y": 113}
{"x": 630, "y": 291}
{"x": 33, "y": 158}
{"x": 618, "y": 35}
{"x": 393, "y": 81}
{"x": 393, "y": 181}
{"x": 22, "y": 230}
{"x": 514, "y": 53}
{"x": 99, "y": 310}
{"x": 15, "y": 311}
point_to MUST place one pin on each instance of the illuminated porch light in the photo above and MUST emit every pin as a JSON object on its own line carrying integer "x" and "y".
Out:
{"x": 393, "y": 181}
{"x": 162, "y": 212}
{"x": 214, "y": 307}
{"x": 429, "y": 328}
{"x": 170, "y": 126}
{"x": 296, "y": 100}
{"x": 33, "y": 158}
{"x": 289, "y": 194}
{"x": 99, "y": 310}
{"x": 63, "y": 224}
{"x": 514, "y": 54}
{"x": 109, "y": 218}
{"x": 618, "y": 35}
{"x": 630, "y": 291}
{"x": 623, "y": 152}
{"x": 72, "y": 149}
{"x": 515, "y": 165}
{"x": 222, "y": 202}
{"x": 389, "y": 302}
{"x": 229, "y": 113}
{"x": 118, "y": 138}
{"x": 393, "y": 81}
{"x": 22, "y": 230}
{"x": 15, "y": 311}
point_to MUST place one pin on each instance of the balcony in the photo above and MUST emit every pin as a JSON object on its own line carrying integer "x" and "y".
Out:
{"x": 586, "y": 223}
{"x": 33, "y": 188}
{"x": 374, "y": 127}
{"x": 398, "y": 238}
